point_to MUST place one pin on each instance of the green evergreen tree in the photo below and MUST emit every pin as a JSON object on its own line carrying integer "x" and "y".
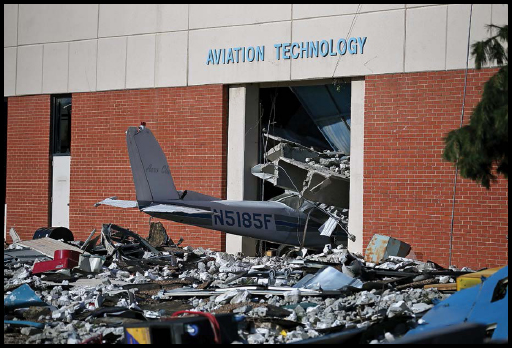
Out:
{"x": 483, "y": 144}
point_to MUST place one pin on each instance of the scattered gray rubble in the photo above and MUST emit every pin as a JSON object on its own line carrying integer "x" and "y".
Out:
{"x": 277, "y": 299}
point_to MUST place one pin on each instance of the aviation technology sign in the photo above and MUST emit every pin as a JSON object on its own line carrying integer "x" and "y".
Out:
{"x": 287, "y": 50}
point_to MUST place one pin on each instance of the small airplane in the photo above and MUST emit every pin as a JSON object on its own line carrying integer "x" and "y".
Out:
{"x": 157, "y": 196}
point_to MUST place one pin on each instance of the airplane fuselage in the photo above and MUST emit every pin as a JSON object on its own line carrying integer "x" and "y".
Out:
{"x": 253, "y": 219}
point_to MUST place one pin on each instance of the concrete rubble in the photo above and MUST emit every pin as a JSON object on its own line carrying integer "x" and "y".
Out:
{"x": 315, "y": 183}
{"x": 322, "y": 177}
{"x": 278, "y": 299}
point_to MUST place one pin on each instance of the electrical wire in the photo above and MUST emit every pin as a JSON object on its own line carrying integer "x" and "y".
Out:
{"x": 461, "y": 122}
{"x": 348, "y": 34}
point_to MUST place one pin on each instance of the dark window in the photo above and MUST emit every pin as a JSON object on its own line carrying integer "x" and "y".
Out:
{"x": 61, "y": 125}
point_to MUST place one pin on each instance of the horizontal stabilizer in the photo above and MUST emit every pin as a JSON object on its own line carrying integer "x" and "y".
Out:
{"x": 112, "y": 201}
{"x": 167, "y": 208}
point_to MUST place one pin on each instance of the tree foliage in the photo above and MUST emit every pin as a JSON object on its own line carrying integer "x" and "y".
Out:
{"x": 482, "y": 145}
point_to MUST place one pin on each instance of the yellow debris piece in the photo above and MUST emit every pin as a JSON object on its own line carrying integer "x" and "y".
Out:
{"x": 472, "y": 279}
{"x": 139, "y": 335}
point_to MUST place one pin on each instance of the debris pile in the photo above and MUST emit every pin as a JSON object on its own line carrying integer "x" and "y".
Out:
{"x": 322, "y": 177}
{"x": 127, "y": 283}
{"x": 315, "y": 183}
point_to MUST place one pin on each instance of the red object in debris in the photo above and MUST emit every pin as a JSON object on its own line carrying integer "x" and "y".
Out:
{"x": 62, "y": 259}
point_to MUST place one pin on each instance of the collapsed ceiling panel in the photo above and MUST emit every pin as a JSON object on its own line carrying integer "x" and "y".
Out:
{"x": 319, "y": 177}
{"x": 329, "y": 108}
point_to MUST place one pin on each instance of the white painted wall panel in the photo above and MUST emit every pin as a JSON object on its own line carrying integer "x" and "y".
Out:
{"x": 430, "y": 37}
{"x": 301, "y": 11}
{"x": 55, "y": 68}
{"x": 457, "y": 36}
{"x": 82, "y": 65}
{"x": 499, "y": 14}
{"x": 29, "y": 69}
{"x": 127, "y": 19}
{"x": 171, "y": 59}
{"x": 10, "y": 71}
{"x": 426, "y": 38}
{"x": 381, "y": 54}
{"x": 219, "y": 15}
{"x": 172, "y": 17}
{"x": 10, "y": 25}
{"x": 381, "y": 7}
{"x": 57, "y": 22}
{"x": 319, "y": 10}
{"x": 244, "y": 36}
{"x": 140, "y": 65}
{"x": 481, "y": 18}
{"x": 61, "y": 191}
{"x": 111, "y": 64}
{"x": 419, "y": 5}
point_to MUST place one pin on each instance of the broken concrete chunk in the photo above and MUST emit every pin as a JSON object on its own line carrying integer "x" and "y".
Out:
{"x": 292, "y": 296}
{"x": 256, "y": 338}
{"x": 289, "y": 151}
{"x": 397, "y": 308}
{"x": 226, "y": 297}
{"x": 240, "y": 297}
{"x": 421, "y": 307}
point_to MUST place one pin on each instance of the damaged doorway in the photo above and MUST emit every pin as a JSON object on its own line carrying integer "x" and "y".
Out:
{"x": 304, "y": 156}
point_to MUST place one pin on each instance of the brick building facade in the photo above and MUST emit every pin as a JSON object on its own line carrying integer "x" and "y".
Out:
{"x": 123, "y": 64}
{"x": 190, "y": 121}
{"x": 408, "y": 188}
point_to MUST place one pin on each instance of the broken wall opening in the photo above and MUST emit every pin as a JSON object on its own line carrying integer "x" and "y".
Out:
{"x": 304, "y": 146}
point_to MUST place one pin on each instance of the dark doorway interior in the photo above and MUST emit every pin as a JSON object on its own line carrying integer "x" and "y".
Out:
{"x": 314, "y": 116}
{"x": 284, "y": 116}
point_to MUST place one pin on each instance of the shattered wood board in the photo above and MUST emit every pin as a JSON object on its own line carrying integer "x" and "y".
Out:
{"x": 47, "y": 246}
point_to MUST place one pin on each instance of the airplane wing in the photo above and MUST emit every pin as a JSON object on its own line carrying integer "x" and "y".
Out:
{"x": 168, "y": 208}
{"x": 114, "y": 202}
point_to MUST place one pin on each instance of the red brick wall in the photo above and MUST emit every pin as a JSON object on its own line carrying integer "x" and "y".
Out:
{"x": 28, "y": 167}
{"x": 408, "y": 187}
{"x": 190, "y": 124}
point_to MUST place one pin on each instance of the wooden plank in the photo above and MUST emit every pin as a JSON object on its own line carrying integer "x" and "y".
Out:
{"x": 442, "y": 287}
{"x": 417, "y": 284}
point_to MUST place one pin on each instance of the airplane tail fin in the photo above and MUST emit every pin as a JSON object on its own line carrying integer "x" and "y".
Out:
{"x": 150, "y": 170}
